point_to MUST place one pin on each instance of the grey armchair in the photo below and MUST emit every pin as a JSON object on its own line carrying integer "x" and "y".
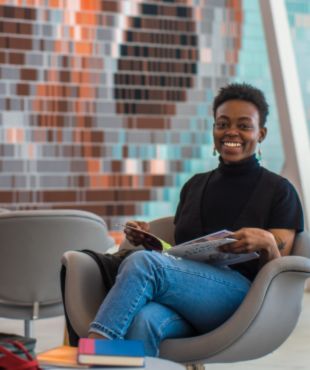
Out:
{"x": 270, "y": 309}
{"x": 32, "y": 244}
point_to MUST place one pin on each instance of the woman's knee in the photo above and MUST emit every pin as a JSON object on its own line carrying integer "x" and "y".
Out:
{"x": 141, "y": 261}
{"x": 144, "y": 321}
{"x": 143, "y": 327}
{"x": 156, "y": 322}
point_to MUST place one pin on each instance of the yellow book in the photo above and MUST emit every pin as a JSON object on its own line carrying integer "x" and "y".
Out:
{"x": 63, "y": 356}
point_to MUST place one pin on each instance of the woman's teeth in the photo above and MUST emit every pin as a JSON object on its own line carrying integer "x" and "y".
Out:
{"x": 232, "y": 145}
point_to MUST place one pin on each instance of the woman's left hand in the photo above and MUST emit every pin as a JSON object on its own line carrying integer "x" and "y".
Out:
{"x": 253, "y": 240}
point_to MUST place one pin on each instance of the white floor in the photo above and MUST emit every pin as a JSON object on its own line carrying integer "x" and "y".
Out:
{"x": 294, "y": 354}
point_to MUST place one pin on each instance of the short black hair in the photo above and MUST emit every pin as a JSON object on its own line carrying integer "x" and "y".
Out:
{"x": 246, "y": 92}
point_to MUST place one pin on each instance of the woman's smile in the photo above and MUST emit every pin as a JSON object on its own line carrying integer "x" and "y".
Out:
{"x": 232, "y": 144}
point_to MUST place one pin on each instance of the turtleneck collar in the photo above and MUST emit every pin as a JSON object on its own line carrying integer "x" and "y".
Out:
{"x": 239, "y": 168}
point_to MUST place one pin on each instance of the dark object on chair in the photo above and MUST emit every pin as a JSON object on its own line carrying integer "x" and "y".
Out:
{"x": 108, "y": 265}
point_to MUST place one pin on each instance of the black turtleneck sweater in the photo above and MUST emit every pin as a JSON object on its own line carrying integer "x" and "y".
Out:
{"x": 236, "y": 195}
{"x": 227, "y": 192}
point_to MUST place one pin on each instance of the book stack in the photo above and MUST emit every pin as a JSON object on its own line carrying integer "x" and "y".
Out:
{"x": 111, "y": 352}
{"x": 95, "y": 352}
{"x": 63, "y": 356}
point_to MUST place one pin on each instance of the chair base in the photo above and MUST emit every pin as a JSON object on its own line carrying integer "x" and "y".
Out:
{"x": 28, "y": 328}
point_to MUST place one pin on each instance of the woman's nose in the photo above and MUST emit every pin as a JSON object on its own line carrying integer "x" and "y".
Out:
{"x": 232, "y": 131}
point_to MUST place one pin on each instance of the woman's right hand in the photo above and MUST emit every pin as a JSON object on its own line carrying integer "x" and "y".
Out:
{"x": 132, "y": 232}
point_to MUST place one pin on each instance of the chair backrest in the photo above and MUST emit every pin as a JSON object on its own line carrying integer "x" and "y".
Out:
{"x": 161, "y": 227}
{"x": 32, "y": 244}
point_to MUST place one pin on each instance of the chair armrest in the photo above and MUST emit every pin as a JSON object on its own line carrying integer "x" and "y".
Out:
{"x": 235, "y": 340}
{"x": 302, "y": 244}
{"x": 84, "y": 290}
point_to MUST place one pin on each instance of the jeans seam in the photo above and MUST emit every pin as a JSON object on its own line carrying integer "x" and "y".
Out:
{"x": 136, "y": 303}
{"x": 130, "y": 312}
{"x": 207, "y": 277}
{"x": 133, "y": 306}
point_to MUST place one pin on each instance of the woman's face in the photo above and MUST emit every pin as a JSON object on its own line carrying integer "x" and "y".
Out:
{"x": 236, "y": 130}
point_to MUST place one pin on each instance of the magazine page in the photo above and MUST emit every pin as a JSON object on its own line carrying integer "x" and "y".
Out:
{"x": 153, "y": 242}
{"x": 206, "y": 249}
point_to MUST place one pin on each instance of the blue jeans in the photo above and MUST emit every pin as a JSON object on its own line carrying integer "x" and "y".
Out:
{"x": 157, "y": 296}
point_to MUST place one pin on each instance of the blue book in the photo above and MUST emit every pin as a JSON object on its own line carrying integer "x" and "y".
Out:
{"x": 111, "y": 352}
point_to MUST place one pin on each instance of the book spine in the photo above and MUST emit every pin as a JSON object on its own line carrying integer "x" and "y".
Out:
{"x": 87, "y": 345}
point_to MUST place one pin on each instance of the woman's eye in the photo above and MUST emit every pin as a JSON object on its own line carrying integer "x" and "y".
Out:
{"x": 244, "y": 126}
{"x": 221, "y": 125}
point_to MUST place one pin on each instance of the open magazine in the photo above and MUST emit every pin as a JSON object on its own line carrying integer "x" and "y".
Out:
{"x": 205, "y": 248}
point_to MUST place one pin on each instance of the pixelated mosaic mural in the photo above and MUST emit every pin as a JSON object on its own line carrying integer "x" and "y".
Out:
{"x": 105, "y": 105}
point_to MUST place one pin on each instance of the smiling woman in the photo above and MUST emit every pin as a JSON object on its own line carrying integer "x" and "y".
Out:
{"x": 156, "y": 296}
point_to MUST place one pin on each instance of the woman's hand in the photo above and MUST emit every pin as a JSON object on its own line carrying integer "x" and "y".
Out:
{"x": 132, "y": 232}
{"x": 253, "y": 240}
{"x": 270, "y": 244}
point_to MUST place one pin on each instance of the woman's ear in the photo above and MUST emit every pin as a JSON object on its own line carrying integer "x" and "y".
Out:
{"x": 262, "y": 134}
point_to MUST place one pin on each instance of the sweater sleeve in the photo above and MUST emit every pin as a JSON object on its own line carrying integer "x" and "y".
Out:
{"x": 286, "y": 210}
